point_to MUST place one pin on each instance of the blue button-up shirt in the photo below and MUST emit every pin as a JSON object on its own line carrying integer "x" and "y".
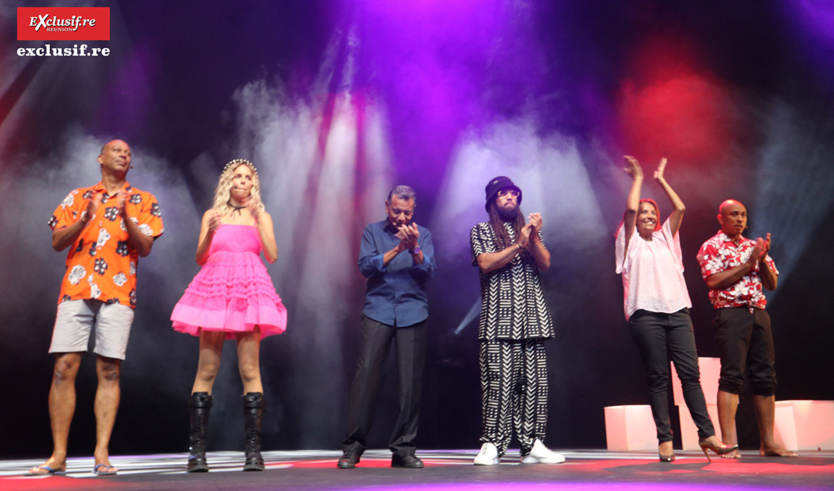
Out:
{"x": 396, "y": 294}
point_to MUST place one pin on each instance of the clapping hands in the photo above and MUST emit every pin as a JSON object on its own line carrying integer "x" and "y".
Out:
{"x": 408, "y": 235}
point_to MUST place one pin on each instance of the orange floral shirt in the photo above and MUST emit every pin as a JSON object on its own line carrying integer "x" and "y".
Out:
{"x": 101, "y": 264}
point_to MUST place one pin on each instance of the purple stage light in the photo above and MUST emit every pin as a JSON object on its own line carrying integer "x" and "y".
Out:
{"x": 817, "y": 16}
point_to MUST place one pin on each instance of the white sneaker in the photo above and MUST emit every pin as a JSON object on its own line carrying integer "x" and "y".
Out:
{"x": 488, "y": 455}
{"x": 540, "y": 454}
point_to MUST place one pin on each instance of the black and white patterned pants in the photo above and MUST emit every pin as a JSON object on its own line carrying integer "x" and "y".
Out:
{"x": 514, "y": 392}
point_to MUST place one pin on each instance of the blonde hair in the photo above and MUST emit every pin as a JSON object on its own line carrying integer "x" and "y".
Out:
{"x": 222, "y": 195}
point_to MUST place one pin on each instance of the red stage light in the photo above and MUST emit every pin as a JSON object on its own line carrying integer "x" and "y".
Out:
{"x": 670, "y": 105}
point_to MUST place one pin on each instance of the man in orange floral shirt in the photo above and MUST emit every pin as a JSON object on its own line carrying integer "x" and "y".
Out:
{"x": 735, "y": 269}
{"x": 107, "y": 227}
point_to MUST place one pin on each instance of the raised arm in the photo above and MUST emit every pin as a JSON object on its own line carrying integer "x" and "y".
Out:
{"x": 678, "y": 207}
{"x": 633, "y": 169}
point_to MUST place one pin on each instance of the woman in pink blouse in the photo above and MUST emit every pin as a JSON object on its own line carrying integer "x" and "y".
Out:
{"x": 657, "y": 306}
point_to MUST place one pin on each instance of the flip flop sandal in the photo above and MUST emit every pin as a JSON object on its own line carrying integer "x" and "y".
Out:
{"x": 49, "y": 471}
{"x": 105, "y": 470}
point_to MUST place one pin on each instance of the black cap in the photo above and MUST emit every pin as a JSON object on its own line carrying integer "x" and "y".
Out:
{"x": 497, "y": 184}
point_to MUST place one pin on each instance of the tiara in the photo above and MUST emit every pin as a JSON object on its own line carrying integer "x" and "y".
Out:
{"x": 235, "y": 162}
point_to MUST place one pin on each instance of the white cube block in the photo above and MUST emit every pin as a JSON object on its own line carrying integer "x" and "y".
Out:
{"x": 805, "y": 425}
{"x": 710, "y": 369}
{"x": 630, "y": 428}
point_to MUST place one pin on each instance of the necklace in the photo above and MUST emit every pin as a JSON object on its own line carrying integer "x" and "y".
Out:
{"x": 236, "y": 208}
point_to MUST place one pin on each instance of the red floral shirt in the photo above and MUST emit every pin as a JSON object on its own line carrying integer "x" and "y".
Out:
{"x": 719, "y": 254}
{"x": 101, "y": 264}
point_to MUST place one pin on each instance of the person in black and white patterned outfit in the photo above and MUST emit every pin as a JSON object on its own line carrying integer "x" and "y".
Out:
{"x": 515, "y": 322}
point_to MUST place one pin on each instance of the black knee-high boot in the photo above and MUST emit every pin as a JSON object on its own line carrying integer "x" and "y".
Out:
{"x": 253, "y": 411}
{"x": 199, "y": 407}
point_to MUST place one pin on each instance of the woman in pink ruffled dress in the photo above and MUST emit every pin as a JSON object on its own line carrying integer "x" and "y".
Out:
{"x": 232, "y": 297}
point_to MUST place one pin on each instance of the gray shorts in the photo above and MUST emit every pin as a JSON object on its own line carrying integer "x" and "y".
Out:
{"x": 75, "y": 319}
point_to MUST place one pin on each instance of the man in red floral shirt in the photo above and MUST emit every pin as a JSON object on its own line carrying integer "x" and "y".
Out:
{"x": 735, "y": 269}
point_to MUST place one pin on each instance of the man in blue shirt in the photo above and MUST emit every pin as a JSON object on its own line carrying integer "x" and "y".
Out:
{"x": 397, "y": 258}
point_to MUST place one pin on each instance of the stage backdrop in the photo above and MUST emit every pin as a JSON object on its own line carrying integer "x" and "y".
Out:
{"x": 336, "y": 102}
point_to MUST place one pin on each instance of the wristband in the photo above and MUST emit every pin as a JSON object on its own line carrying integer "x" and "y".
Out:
{"x": 416, "y": 251}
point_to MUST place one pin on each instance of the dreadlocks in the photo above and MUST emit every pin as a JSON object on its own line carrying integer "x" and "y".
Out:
{"x": 501, "y": 233}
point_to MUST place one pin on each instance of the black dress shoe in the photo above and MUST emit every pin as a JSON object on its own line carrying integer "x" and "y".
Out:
{"x": 407, "y": 461}
{"x": 349, "y": 460}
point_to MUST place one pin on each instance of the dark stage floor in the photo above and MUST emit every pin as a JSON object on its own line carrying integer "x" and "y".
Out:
{"x": 445, "y": 470}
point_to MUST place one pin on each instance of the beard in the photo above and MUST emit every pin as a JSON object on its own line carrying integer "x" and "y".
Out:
{"x": 507, "y": 215}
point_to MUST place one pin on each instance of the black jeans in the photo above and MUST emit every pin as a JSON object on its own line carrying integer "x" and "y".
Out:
{"x": 745, "y": 339}
{"x": 411, "y": 356}
{"x": 655, "y": 333}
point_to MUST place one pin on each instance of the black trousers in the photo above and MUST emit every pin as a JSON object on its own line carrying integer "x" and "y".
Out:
{"x": 411, "y": 356}
{"x": 655, "y": 334}
{"x": 745, "y": 339}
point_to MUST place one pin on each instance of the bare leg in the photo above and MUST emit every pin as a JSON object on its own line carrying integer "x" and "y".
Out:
{"x": 61, "y": 408}
{"x": 727, "y": 407}
{"x": 766, "y": 416}
{"x": 248, "y": 351}
{"x": 211, "y": 348}
{"x": 106, "y": 406}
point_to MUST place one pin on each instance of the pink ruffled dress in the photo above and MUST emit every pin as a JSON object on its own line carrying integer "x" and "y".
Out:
{"x": 232, "y": 292}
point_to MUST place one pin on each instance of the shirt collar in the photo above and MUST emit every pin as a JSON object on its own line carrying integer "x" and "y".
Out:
{"x": 126, "y": 187}
{"x": 725, "y": 238}
{"x": 389, "y": 226}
